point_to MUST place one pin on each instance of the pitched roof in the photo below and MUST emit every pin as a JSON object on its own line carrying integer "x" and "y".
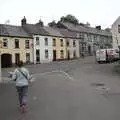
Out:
{"x": 68, "y": 34}
{"x": 13, "y": 31}
{"x": 34, "y": 29}
{"x": 85, "y": 29}
{"x": 53, "y": 31}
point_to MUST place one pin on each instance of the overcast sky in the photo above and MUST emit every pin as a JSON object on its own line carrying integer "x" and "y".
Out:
{"x": 96, "y": 12}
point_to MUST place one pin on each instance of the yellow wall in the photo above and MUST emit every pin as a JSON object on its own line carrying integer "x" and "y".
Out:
{"x": 21, "y": 50}
{"x": 58, "y": 47}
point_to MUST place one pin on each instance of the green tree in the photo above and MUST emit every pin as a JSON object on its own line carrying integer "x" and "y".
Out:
{"x": 69, "y": 18}
{"x": 52, "y": 24}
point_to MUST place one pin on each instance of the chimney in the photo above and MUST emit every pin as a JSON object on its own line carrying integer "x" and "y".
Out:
{"x": 40, "y": 23}
{"x": 23, "y": 21}
{"x": 98, "y": 27}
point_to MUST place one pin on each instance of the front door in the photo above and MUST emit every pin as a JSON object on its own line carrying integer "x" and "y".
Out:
{"x": 54, "y": 55}
{"x": 17, "y": 58}
{"x": 68, "y": 54}
{"x": 6, "y": 60}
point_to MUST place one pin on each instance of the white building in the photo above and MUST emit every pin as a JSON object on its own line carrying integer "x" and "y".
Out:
{"x": 116, "y": 33}
{"x": 43, "y": 49}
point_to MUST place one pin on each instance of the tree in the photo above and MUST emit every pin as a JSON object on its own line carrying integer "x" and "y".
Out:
{"x": 108, "y": 29}
{"x": 69, "y": 18}
{"x": 52, "y": 24}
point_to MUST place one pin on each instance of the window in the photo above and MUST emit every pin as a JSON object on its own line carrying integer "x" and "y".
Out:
{"x": 81, "y": 35}
{"x": 54, "y": 42}
{"x": 27, "y": 46}
{"x": 67, "y": 43}
{"x": 74, "y": 43}
{"x": 118, "y": 28}
{"x": 17, "y": 58}
{"x": 62, "y": 54}
{"x": 46, "y": 53}
{"x": 95, "y": 38}
{"x": 37, "y": 41}
{"x": 16, "y": 43}
{"x": 37, "y": 56}
{"x": 46, "y": 41}
{"x": 74, "y": 54}
{"x": 5, "y": 43}
{"x": 27, "y": 57}
{"x": 61, "y": 42}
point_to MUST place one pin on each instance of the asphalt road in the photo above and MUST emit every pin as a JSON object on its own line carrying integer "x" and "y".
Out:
{"x": 69, "y": 90}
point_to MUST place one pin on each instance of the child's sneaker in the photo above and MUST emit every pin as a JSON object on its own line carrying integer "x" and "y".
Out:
{"x": 23, "y": 108}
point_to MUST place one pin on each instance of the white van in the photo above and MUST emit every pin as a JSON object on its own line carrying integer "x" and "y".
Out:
{"x": 107, "y": 55}
{"x": 101, "y": 55}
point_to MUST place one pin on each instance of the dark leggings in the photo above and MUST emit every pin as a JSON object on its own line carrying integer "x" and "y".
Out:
{"x": 22, "y": 94}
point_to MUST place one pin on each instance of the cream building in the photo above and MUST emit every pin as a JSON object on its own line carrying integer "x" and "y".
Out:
{"x": 16, "y": 45}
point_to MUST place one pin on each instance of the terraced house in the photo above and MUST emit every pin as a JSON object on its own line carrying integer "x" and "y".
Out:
{"x": 15, "y": 45}
{"x": 90, "y": 38}
{"x": 72, "y": 43}
{"x": 59, "y": 44}
{"x": 42, "y": 41}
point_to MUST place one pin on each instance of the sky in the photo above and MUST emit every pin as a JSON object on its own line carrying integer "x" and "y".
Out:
{"x": 96, "y": 12}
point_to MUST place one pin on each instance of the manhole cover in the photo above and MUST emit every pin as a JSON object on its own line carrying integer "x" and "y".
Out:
{"x": 98, "y": 84}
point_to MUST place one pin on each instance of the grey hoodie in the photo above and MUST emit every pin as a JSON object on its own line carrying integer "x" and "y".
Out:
{"x": 19, "y": 78}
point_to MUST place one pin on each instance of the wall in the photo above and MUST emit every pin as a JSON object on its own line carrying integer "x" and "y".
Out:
{"x": 42, "y": 48}
{"x": 22, "y": 50}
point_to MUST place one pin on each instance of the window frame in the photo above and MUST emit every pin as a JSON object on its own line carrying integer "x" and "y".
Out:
{"x": 5, "y": 41}
{"x": 46, "y": 41}
{"x": 61, "y": 42}
{"x": 46, "y": 55}
{"x": 27, "y": 44}
{"x": 37, "y": 40}
{"x": 54, "y": 42}
{"x": 17, "y": 47}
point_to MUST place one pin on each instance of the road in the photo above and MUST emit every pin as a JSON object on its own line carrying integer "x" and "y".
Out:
{"x": 68, "y": 90}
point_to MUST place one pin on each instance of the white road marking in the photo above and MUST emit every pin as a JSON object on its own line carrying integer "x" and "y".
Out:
{"x": 56, "y": 71}
{"x": 8, "y": 80}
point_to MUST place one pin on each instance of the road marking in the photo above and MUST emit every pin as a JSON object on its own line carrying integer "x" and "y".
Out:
{"x": 8, "y": 80}
{"x": 56, "y": 71}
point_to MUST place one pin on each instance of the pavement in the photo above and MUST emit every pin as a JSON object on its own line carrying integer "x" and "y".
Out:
{"x": 67, "y": 90}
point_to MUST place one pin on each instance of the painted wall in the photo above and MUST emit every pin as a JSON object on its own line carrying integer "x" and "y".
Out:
{"x": 72, "y": 48}
{"x": 42, "y": 47}
{"x": 21, "y": 50}
{"x": 58, "y": 48}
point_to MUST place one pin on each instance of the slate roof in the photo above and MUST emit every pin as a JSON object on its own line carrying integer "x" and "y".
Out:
{"x": 68, "y": 34}
{"x": 60, "y": 32}
{"x": 13, "y": 31}
{"x": 85, "y": 29}
{"x": 53, "y": 31}
{"x": 35, "y": 29}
